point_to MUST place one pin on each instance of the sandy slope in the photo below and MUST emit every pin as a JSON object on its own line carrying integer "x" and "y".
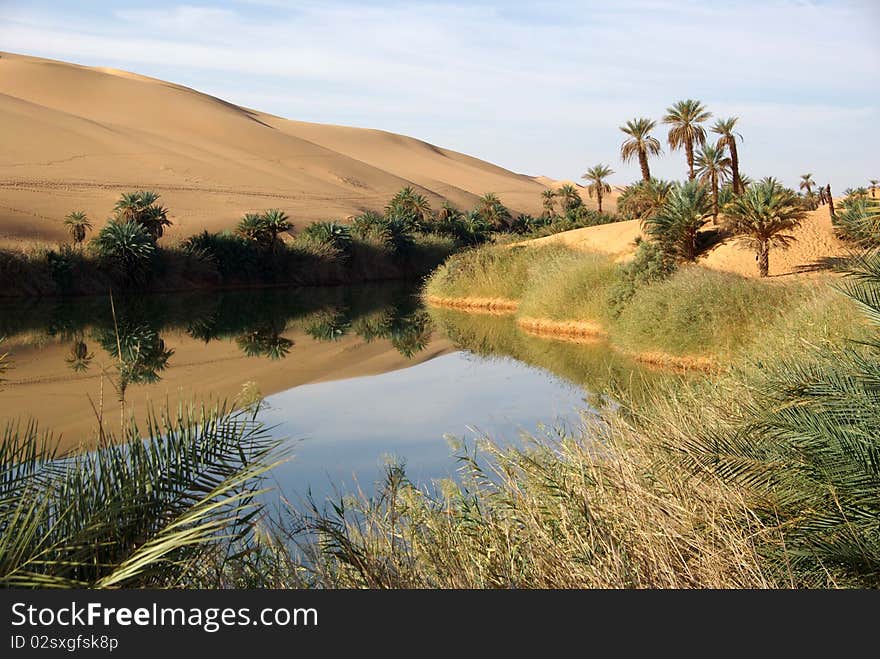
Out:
{"x": 815, "y": 245}
{"x": 41, "y": 387}
{"x": 74, "y": 137}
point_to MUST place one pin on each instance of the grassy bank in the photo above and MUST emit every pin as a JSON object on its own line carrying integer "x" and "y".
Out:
{"x": 695, "y": 312}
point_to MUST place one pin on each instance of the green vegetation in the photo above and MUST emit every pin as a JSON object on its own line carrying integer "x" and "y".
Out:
{"x": 859, "y": 221}
{"x": 760, "y": 216}
{"x": 676, "y": 225}
{"x": 162, "y": 512}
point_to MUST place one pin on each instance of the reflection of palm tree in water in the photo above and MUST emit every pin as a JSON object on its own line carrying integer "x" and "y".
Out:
{"x": 140, "y": 353}
{"x": 264, "y": 341}
{"x": 79, "y": 358}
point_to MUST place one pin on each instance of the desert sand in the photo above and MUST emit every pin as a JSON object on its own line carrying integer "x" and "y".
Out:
{"x": 41, "y": 387}
{"x": 815, "y": 246}
{"x": 74, "y": 137}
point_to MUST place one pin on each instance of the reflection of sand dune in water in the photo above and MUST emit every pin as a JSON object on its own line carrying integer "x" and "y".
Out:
{"x": 40, "y": 386}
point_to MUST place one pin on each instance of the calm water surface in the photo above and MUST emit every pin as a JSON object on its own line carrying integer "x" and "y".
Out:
{"x": 351, "y": 376}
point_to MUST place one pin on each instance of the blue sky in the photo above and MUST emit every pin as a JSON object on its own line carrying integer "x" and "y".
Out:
{"x": 538, "y": 87}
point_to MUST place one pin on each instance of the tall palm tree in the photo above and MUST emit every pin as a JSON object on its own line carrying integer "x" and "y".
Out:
{"x": 807, "y": 184}
{"x": 640, "y": 144}
{"x": 685, "y": 118}
{"x": 727, "y": 138}
{"x": 596, "y": 184}
{"x": 570, "y": 196}
{"x": 873, "y": 183}
{"x": 713, "y": 166}
{"x": 761, "y": 216}
{"x": 549, "y": 203}
{"x": 675, "y": 226}
{"x": 830, "y": 200}
{"x": 78, "y": 225}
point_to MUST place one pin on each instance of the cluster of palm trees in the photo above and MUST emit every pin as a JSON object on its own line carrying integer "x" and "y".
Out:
{"x": 758, "y": 215}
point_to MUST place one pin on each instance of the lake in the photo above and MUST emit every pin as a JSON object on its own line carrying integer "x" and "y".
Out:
{"x": 351, "y": 376}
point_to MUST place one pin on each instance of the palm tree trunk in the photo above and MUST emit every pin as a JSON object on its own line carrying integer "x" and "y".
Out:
{"x": 764, "y": 259}
{"x": 830, "y": 201}
{"x": 689, "y": 151}
{"x": 714, "y": 198}
{"x": 599, "y": 198}
{"x": 734, "y": 166}
{"x": 643, "y": 163}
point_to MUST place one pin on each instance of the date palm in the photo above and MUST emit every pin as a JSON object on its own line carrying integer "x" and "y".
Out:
{"x": 570, "y": 197}
{"x": 596, "y": 184}
{"x": 78, "y": 225}
{"x": 685, "y": 118}
{"x": 807, "y": 184}
{"x": 141, "y": 208}
{"x": 675, "y": 226}
{"x": 873, "y": 183}
{"x": 411, "y": 208}
{"x": 640, "y": 144}
{"x": 548, "y": 198}
{"x": 761, "y": 217}
{"x": 713, "y": 166}
{"x": 493, "y": 211}
{"x": 727, "y": 138}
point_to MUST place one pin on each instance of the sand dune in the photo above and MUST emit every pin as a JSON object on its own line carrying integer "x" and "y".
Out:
{"x": 74, "y": 137}
{"x": 815, "y": 245}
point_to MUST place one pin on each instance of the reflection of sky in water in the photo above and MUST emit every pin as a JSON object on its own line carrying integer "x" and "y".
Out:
{"x": 343, "y": 430}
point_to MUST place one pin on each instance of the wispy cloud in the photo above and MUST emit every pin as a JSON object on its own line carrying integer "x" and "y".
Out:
{"x": 538, "y": 87}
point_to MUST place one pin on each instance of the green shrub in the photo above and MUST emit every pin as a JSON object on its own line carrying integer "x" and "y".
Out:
{"x": 858, "y": 221}
{"x": 698, "y": 311}
{"x": 331, "y": 234}
{"x": 126, "y": 248}
{"x": 650, "y": 263}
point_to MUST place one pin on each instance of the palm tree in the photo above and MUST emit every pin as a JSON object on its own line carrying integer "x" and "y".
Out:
{"x": 724, "y": 128}
{"x": 79, "y": 357}
{"x": 570, "y": 196}
{"x": 807, "y": 184}
{"x": 596, "y": 185}
{"x": 676, "y": 225}
{"x": 410, "y": 207}
{"x": 643, "y": 199}
{"x": 78, "y": 225}
{"x": 276, "y": 222}
{"x": 713, "y": 166}
{"x": 127, "y": 247}
{"x": 685, "y": 118}
{"x": 830, "y": 200}
{"x": 761, "y": 216}
{"x": 873, "y": 183}
{"x": 141, "y": 207}
{"x": 640, "y": 144}
{"x": 493, "y": 211}
{"x": 549, "y": 202}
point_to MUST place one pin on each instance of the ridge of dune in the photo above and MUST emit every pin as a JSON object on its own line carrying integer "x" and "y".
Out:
{"x": 814, "y": 248}
{"x": 76, "y": 136}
